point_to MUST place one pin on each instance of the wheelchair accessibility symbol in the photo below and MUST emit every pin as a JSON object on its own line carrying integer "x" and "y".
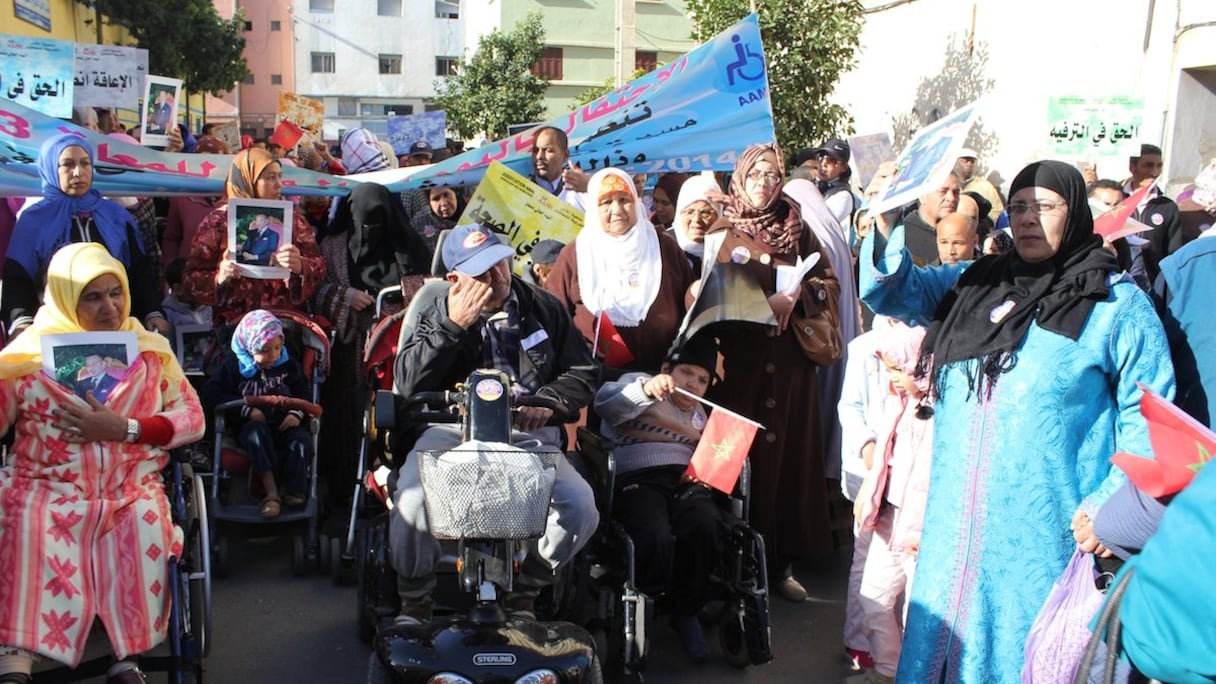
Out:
{"x": 748, "y": 66}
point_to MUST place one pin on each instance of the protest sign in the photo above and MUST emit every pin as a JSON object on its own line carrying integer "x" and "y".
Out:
{"x": 522, "y": 211}
{"x": 1092, "y": 127}
{"x": 159, "y": 111}
{"x": 37, "y": 73}
{"x": 109, "y": 75}
{"x": 927, "y": 160}
{"x": 230, "y": 133}
{"x": 868, "y": 152}
{"x": 125, "y": 170}
{"x": 305, "y": 112}
{"x": 408, "y": 129}
{"x": 698, "y": 112}
{"x": 36, "y": 12}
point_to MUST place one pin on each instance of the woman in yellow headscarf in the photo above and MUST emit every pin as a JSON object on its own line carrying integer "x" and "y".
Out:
{"x": 211, "y": 277}
{"x": 85, "y": 527}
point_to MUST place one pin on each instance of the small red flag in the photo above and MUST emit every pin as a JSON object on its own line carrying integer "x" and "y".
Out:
{"x": 1111, "y": 224}
{"x": 720, "y": 453}
{"x": 609, "y": 344}
{"x": 286, "y": 134}
{"x": 1182, "y": 446}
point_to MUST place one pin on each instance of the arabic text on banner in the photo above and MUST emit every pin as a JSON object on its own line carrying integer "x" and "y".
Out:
{"x": 927, "y": 160}
{"x": 109, "y": 76}
{"x": 523, "y": 211}
{"x": 126, "y": 170}
{"x": 1084, "y": 128}
{"x": 405, "y": 130}
{"x": 698, "y": 112}
{"x": 37, "y": 73}
{"x": 305, "y": 112}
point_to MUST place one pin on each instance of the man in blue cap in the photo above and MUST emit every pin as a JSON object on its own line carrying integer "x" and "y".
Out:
{"x": 490, "y": 319}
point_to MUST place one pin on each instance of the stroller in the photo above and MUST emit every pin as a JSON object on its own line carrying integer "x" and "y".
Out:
{"x": 234, "y": 504}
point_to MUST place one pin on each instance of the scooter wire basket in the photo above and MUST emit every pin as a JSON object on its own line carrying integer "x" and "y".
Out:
{"x": 474, "y": 492}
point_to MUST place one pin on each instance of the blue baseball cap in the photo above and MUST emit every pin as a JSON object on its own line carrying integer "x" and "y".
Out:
{"x": 473, "y": 249}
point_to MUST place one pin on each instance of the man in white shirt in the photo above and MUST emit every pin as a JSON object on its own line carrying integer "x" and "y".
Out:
{"x": 552, "y": 169}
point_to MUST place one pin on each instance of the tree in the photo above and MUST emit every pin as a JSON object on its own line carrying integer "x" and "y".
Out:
{"x": 591, "y": 94}
{"x": 185, "y": 39}
{"x": 808, "y": 45}
{"x": 496, "y": 87}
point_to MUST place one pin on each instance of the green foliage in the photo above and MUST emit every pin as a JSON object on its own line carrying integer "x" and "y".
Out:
{"x": 185, "y": 39}
{"x": 592, "y": 94}
{"x": 808, "y": 45}
{"x": 496, "y": 87}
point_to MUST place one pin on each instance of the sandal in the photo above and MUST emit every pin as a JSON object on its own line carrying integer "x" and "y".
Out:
{"x": 271, "y": 507}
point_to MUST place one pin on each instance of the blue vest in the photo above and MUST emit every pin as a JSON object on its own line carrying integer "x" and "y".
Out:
{"x": 1190, "y": 309}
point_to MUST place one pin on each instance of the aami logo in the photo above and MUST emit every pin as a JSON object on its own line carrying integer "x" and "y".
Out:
{"x": 491, "y": 659}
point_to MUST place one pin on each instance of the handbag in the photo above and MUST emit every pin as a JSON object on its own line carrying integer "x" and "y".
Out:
{"x": 1058, "y": 638}
{"x": 818, "y": 333}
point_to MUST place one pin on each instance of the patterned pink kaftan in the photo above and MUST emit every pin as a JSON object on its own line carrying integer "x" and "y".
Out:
{"x": 85, "y": 529}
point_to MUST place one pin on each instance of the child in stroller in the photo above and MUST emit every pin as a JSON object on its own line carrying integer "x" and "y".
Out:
{"x": 275, "y": 439}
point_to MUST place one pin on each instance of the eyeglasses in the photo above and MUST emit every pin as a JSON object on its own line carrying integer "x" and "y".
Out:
{"x": 766, "y": 176}
{"x": 703, "y": 214}
{"x": 1038, "y": 207}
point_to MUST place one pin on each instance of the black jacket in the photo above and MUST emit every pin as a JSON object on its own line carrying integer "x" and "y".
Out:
{"x": 440, "y": 354}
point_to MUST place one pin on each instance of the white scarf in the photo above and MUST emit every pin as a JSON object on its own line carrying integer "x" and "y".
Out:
{"x": 695, "y": 189}
{"x": 618, "y": 275}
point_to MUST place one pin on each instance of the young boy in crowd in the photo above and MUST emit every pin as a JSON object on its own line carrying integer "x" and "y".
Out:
{"x": 679, "y": 526}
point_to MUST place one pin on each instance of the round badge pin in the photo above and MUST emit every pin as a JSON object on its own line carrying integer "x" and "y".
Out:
{"x": 633, "y": 279}
{"x": 1002, "y": 310}
{"x": 740, "y": 255}
{"x": 1157, "y": 219}
{"x": 489, "y": 389}
{"x": 698, "y": 420}
{"x": 766, "y": 259}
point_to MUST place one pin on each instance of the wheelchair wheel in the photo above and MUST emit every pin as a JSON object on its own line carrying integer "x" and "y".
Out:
{"x": 200, "y": 577}
{"x": 732, "y": 640}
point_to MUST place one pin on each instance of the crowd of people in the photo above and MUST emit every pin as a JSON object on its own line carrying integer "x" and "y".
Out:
{"x": 961, "y": 368}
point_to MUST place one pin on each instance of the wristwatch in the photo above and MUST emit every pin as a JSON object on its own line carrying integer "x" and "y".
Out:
{"x": 132, "y": 430}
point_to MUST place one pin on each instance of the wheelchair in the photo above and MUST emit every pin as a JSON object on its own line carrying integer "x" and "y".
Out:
{"x": 234, "y": 506}
{"x": 188, "y": 639}
{"x": 606, "y": 599}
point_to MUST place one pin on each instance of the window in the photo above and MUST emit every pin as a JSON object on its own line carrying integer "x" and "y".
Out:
{"x": 276, "y": 79}
{"x": 323, "y": 62}
{"x": 398, "y": 109}
{"x": 446, "y": 66}
{"x": 248, "y": 25}
{"x": 447, "y": 10}
{"x": 276, "y": 25}
{"x": 645, "y": 60}
{"x": 388, "y": 8}
{"x": 320, "y": 5}
{"x": 550, "y": 64}
{"x": 249, "y": 78}
{"x": 390, "y": 64}
{"x": 347, "y": 106}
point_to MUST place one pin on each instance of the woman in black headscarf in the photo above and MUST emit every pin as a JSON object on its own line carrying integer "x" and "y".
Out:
{"x": 370, "y": 246}
{"x": 1036, "y": 357}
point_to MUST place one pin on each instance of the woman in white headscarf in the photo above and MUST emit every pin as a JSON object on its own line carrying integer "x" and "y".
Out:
{"x": 622, "y": 267}
{"x": 696, "y": 211}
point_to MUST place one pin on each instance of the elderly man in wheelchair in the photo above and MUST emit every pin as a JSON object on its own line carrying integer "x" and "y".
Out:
{"x": 487, "y": 318}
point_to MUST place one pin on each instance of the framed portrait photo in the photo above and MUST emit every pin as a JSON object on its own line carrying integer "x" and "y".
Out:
{"x": 89, "y": 362}
{"x": 193, "y": 343}
{"x": 256, "y": 230}
{"x": 159, "y": 111}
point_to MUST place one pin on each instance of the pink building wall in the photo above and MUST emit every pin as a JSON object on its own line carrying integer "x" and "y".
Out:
{"x": 268, "y": 53}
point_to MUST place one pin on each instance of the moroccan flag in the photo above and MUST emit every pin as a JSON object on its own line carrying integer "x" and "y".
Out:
{"x": 609, "y": 344}
{"x": 1116, "y": 222}
{"x": 723, "y": 448}
{"x": 1182, "y": 447}
{"x": 287, "y": 134}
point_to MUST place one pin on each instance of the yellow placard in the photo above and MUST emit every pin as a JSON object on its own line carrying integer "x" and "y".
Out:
{"x": 516, "y": 207}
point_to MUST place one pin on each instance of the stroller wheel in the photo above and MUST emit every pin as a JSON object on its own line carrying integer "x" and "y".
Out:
{"x": 732, "y": 641}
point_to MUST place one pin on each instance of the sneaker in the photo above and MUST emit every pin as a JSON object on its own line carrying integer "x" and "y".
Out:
{"x": 791, "y": 590}
{"x": 692, "y": 637}
{"x": 870, "y": 677}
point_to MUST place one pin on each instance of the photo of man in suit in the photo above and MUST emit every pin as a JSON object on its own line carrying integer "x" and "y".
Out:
{"x": 94, "y": 378}
{"x": 261, "y": 242}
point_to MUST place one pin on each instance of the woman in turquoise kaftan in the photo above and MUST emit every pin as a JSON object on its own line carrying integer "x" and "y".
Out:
{"x": 1038, "y": 358}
